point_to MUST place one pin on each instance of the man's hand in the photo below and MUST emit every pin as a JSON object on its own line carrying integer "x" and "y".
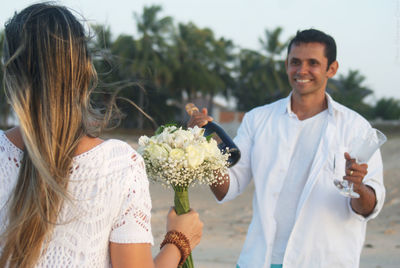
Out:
{"x": 355, "y": 174}
{"x": 199, "y": 119}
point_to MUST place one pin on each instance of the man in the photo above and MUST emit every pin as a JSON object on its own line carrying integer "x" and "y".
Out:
{"x": 293, "y": 149}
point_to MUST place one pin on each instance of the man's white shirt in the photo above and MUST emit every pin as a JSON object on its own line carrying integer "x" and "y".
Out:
{"x": 326, "y": 231}
{"x": 308, "y": 133}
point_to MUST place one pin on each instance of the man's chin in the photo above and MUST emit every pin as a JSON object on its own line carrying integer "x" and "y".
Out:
{"x": 304, "y": 91}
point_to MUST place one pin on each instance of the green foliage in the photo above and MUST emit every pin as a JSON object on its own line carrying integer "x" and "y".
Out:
{"x": 262, "y": 77}
{"x": 161, "y": 128}
{"x": 196, "y": 61}
{"x": 387, "y": 108}
{"x": 350, "y": 91}
{"x": 272, "y": 43}
{"x": 156, "y": 72}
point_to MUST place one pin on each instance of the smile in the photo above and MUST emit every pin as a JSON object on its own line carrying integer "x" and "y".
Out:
{"x": 302, "y": 80}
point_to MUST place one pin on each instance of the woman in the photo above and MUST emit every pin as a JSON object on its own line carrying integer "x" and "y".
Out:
{"x": 67, "y": 198}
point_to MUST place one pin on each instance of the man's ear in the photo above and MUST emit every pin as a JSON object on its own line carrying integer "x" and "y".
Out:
{"x": 332, "y": 69}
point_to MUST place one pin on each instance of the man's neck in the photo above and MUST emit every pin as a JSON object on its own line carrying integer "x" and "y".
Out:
{"x": 306, "y": 106}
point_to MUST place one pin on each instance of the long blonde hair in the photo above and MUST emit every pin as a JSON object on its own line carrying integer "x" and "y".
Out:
{"x": 48, "y": 76}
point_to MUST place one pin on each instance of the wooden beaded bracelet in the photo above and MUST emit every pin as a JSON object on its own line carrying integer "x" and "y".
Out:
{"x": 180, "y": 241}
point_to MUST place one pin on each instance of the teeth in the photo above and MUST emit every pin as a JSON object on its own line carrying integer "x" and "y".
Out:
{"x": 302, "y": 81}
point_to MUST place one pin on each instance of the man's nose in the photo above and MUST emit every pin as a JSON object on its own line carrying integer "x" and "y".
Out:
{"x": 302, "y": 68}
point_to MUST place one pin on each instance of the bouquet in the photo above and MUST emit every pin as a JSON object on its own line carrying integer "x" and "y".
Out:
{"x": 181, "y": 158}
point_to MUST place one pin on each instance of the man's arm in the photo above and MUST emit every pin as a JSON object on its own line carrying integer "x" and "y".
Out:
{"x": 200, "y": 119}
{"x": 355, "y": 173}
{"x": 240, "y": 175}
{"x": 366, "y": 203}
{"x": 220, "y": 189}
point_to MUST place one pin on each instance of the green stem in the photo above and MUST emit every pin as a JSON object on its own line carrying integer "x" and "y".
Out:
{"x": 182, "y": 206}
{"x": 181, "y": 200}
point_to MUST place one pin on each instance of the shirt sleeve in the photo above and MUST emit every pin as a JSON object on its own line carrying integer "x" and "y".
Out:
{"x": 240, "y": 175}
{"x": 133, "y": 223}
{"x": 374, "y": 177}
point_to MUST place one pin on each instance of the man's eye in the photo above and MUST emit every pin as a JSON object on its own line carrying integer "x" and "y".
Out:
{"x": 314, "y": 62}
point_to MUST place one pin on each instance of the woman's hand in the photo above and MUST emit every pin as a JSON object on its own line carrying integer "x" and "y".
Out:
{"x": 139, "y": 255}
{"x": 189, "y": 224}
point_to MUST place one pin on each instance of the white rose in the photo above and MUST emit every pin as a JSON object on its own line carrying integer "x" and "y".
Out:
{"x": 178, "y": 142}
{"x": 182, "y": 138}
{"x": 164, "y": 137}
{"x": 153, "y": 139}
{"x": 171, "y": 128}
{"x": 197, "y": 131}
{"x": 166, "y": 147}
{"x": 195, "y": 155}
{"x": 177, "y": 154}
{"x": 211, "y": 149}
{"x": 143, "y": 140}
{"x": 156, "y": 152}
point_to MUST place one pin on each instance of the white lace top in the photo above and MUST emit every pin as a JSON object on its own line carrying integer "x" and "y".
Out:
{"x": 111, "y": 203}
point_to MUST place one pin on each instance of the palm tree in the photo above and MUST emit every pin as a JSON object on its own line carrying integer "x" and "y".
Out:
{"x": 223, "y": 65}
{"x": 387, "y": 108}
{"x": 255, "y": 85}
{"x": 201, "y": 70}
{"x": 262, "y": 76}
{"x": 272, "y": 44}
{"x": 100, "y": 47}
{"x": 273, "y": 47}
{"x": 150, "y": 65}
{"x": 350, "y": 91}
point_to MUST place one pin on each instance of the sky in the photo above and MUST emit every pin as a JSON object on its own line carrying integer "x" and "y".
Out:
{"x": 367, "y": 32}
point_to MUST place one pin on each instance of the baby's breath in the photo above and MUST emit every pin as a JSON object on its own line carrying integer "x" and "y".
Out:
{"x": 183, "y": 158}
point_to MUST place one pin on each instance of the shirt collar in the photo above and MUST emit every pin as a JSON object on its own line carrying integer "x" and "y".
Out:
{"x": 333, "y": 106}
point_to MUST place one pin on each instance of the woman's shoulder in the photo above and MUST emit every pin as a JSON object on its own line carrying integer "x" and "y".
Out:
{"x": 13, "y": 137}
{"x": 10, "y": 144}
{"x": 113, "y": 153}
{"x": 112, "y": 159}
{"x": 109, "y": 149}
{"x": 118, "y": 148}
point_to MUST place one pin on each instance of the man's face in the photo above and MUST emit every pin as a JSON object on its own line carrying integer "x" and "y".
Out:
{"x": 307, "y": 68}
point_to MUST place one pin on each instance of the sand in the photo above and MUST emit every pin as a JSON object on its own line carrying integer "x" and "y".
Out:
{"x": 225, "y": 225}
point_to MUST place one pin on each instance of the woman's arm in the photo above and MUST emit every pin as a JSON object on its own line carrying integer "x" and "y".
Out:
{"x": 139, "y": 255}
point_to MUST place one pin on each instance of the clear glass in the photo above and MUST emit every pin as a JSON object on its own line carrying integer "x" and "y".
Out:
{"x": 361, "y": 149}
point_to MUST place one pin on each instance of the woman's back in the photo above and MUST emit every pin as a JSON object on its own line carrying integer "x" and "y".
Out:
{"x": 58, "y": 209}
{"x": 109, "y": 202}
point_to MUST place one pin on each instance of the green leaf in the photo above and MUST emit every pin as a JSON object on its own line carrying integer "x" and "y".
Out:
{"x": 171, "y": 125}
{"x": 159, "y": 130}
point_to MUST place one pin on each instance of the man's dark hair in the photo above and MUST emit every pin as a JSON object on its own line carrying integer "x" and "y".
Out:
{"x": 315, "y": 36}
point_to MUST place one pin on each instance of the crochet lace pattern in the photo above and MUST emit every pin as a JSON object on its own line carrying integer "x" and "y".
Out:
{"x": 111, "y": 202}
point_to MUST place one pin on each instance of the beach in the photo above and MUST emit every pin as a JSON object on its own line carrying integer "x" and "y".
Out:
{"x": 225, "y": 225}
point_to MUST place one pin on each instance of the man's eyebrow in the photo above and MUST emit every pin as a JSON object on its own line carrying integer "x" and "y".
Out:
{"x": 313, "y": 59}
{"x": 307, "y": 59}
